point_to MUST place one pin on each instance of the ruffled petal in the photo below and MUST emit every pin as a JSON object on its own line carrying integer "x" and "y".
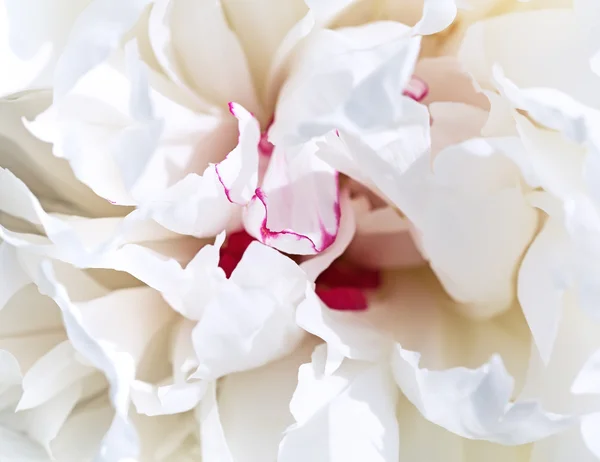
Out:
{"x": 121, "y": 441}
{"x": 474, "y": 403}
{"x": 166, "y": 399}
{"x": 265, "y": 391}
{"x": 348, "y": 334}
{"x": 130, "y": 142}
{"x": 51, "y": 374}
{"x": 250, "y": 321}
{"x": 344, "y": 416}
{"x": 473, "y": 222}
{"x": 238, "y": 172}
{"x": 96, "y": 33}
{"x": 350, "y": 79}
{"x": 31, "y": 160}
{"x": 217, "y": 69}
{"x": 31, "y": 57}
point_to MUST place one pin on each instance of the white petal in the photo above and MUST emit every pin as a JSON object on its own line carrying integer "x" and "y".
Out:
{"x": 216, "y": 70}
{"x": 326, "y": 10}
{"x": 473, "y": 222}
{"x": 588, "y": 379}
{"x": 126, "y": 140}
{"x": 417, "y": 435}
{"x": 265, "y": 391}
{"x": 345, "y": 416}
{"x": 15, "y": 447}
{"x": 14, "y": 278}
{"x": 348, "y": 79}
{"x": 31, "y": 56}
{"x": 542, "y": 281}
{"x": 166, "y": 399}
{"x": 196, "y": 206}
{"x": 437, "y": 15}
{"x": 51, "y": 374}
{"x": 505, "y": 41}
{"x": 45, "y": 421}
{"x": 10, "y": 370}
{"x": 474, "y": 403}
{"x": 250, "y": 321}
{"x": 97, "y": 31}
{"x": 260, "y": 27}
{"x": 589, "y": 430}
{"x": 141, "y": 313}
{"x": 31, "y": 159}
{"x": 214, "y": 444}
{"x": 351, "y": 334}
{"x": 74, "y": 445}
{"x": 454, "y": 123}
{"x": 238, "y": 172}
{"x": 121, "y": 441}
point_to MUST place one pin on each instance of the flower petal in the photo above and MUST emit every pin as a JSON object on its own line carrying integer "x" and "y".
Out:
{"x": 250, "y": 321}
{"x": 166, "y": 399}
{"x": 31, "y": 56}
{"x": 216, "y": 70}
{"x": 319, "y": 263}
{"x": 345, "y": 416}
{"x": 297, "y": 208}
{"x": 52, "y": 374}
{"x": 494, "y": 41}
{"x": 214, "y": 444}
{"x": 97, "y": 31}
{"x": 542, "y": 283}
{"x": 31, "y": 159}
{"x": 238, "y": 172}
{"x": 474, "y": 257}
{"x": 474, "y": 403}
{"x": 265, "y": 391}
{"x": 260, "y": 27}
{"x": 121, "y": 441}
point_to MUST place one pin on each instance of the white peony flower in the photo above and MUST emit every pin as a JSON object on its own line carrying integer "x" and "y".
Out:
{"x": 304, "y": 230}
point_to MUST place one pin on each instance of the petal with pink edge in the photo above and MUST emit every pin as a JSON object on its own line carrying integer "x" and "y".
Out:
{"x": 238, "y": 172}
{"x": 297, "y": 208}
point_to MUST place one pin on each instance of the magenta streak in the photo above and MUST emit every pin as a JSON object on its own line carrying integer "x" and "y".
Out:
{"x": 326, "y": 237}
{"x": 225, "y": 188}
{"x": 416, "y": 89}
{"x": 230, "y": 105}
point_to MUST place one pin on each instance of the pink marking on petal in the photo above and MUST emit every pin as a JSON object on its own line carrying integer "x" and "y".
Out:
{"x": 337, "y": 132}
{"x": 265, "y": 147}
{"x": 226, "y": 190}
{"x": 327, "y": 238}
{"x": 416, "y": 89}
{"x": 231, "y": 106}
{"x": 112, "y": 202}
{"x": 343, "y": 298}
